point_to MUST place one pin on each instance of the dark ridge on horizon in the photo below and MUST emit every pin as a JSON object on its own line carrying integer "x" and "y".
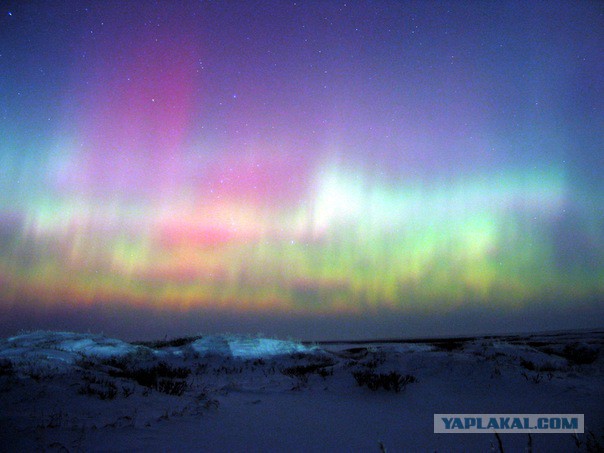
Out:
{"x": 460, "y": 338}
{"x": 434, "y": 340}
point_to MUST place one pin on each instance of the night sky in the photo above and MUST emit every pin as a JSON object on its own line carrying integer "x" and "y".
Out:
{"x": 319, "y": 169}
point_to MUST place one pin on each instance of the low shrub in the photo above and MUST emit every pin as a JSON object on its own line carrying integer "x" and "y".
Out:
{"x": 534, "y": 378}
{"x": 545, "y": 367}
{"x": 6, "y": 368}
{"x": 127, "y": 391}
{"x": 171, "y": 387}
{"x": 304, "y": 370}
{"x": 580, "y": 353}
{"x": 392, "y": 381}
{"x": 162, "y": 377}
{"x": 527, "y": 364}
{"x": 148, "y": 376}
{"x": 101, "y": 388}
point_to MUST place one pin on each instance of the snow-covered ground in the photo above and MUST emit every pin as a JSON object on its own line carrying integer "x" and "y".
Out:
{"x": 64, "y": 391}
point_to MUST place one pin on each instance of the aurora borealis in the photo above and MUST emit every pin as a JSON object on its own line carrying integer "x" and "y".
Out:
{"x": 301, "y": 158}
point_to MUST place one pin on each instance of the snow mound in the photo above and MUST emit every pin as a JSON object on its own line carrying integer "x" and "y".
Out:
{"x": 242, "y": 347}
{"x": 62, "y": 346}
